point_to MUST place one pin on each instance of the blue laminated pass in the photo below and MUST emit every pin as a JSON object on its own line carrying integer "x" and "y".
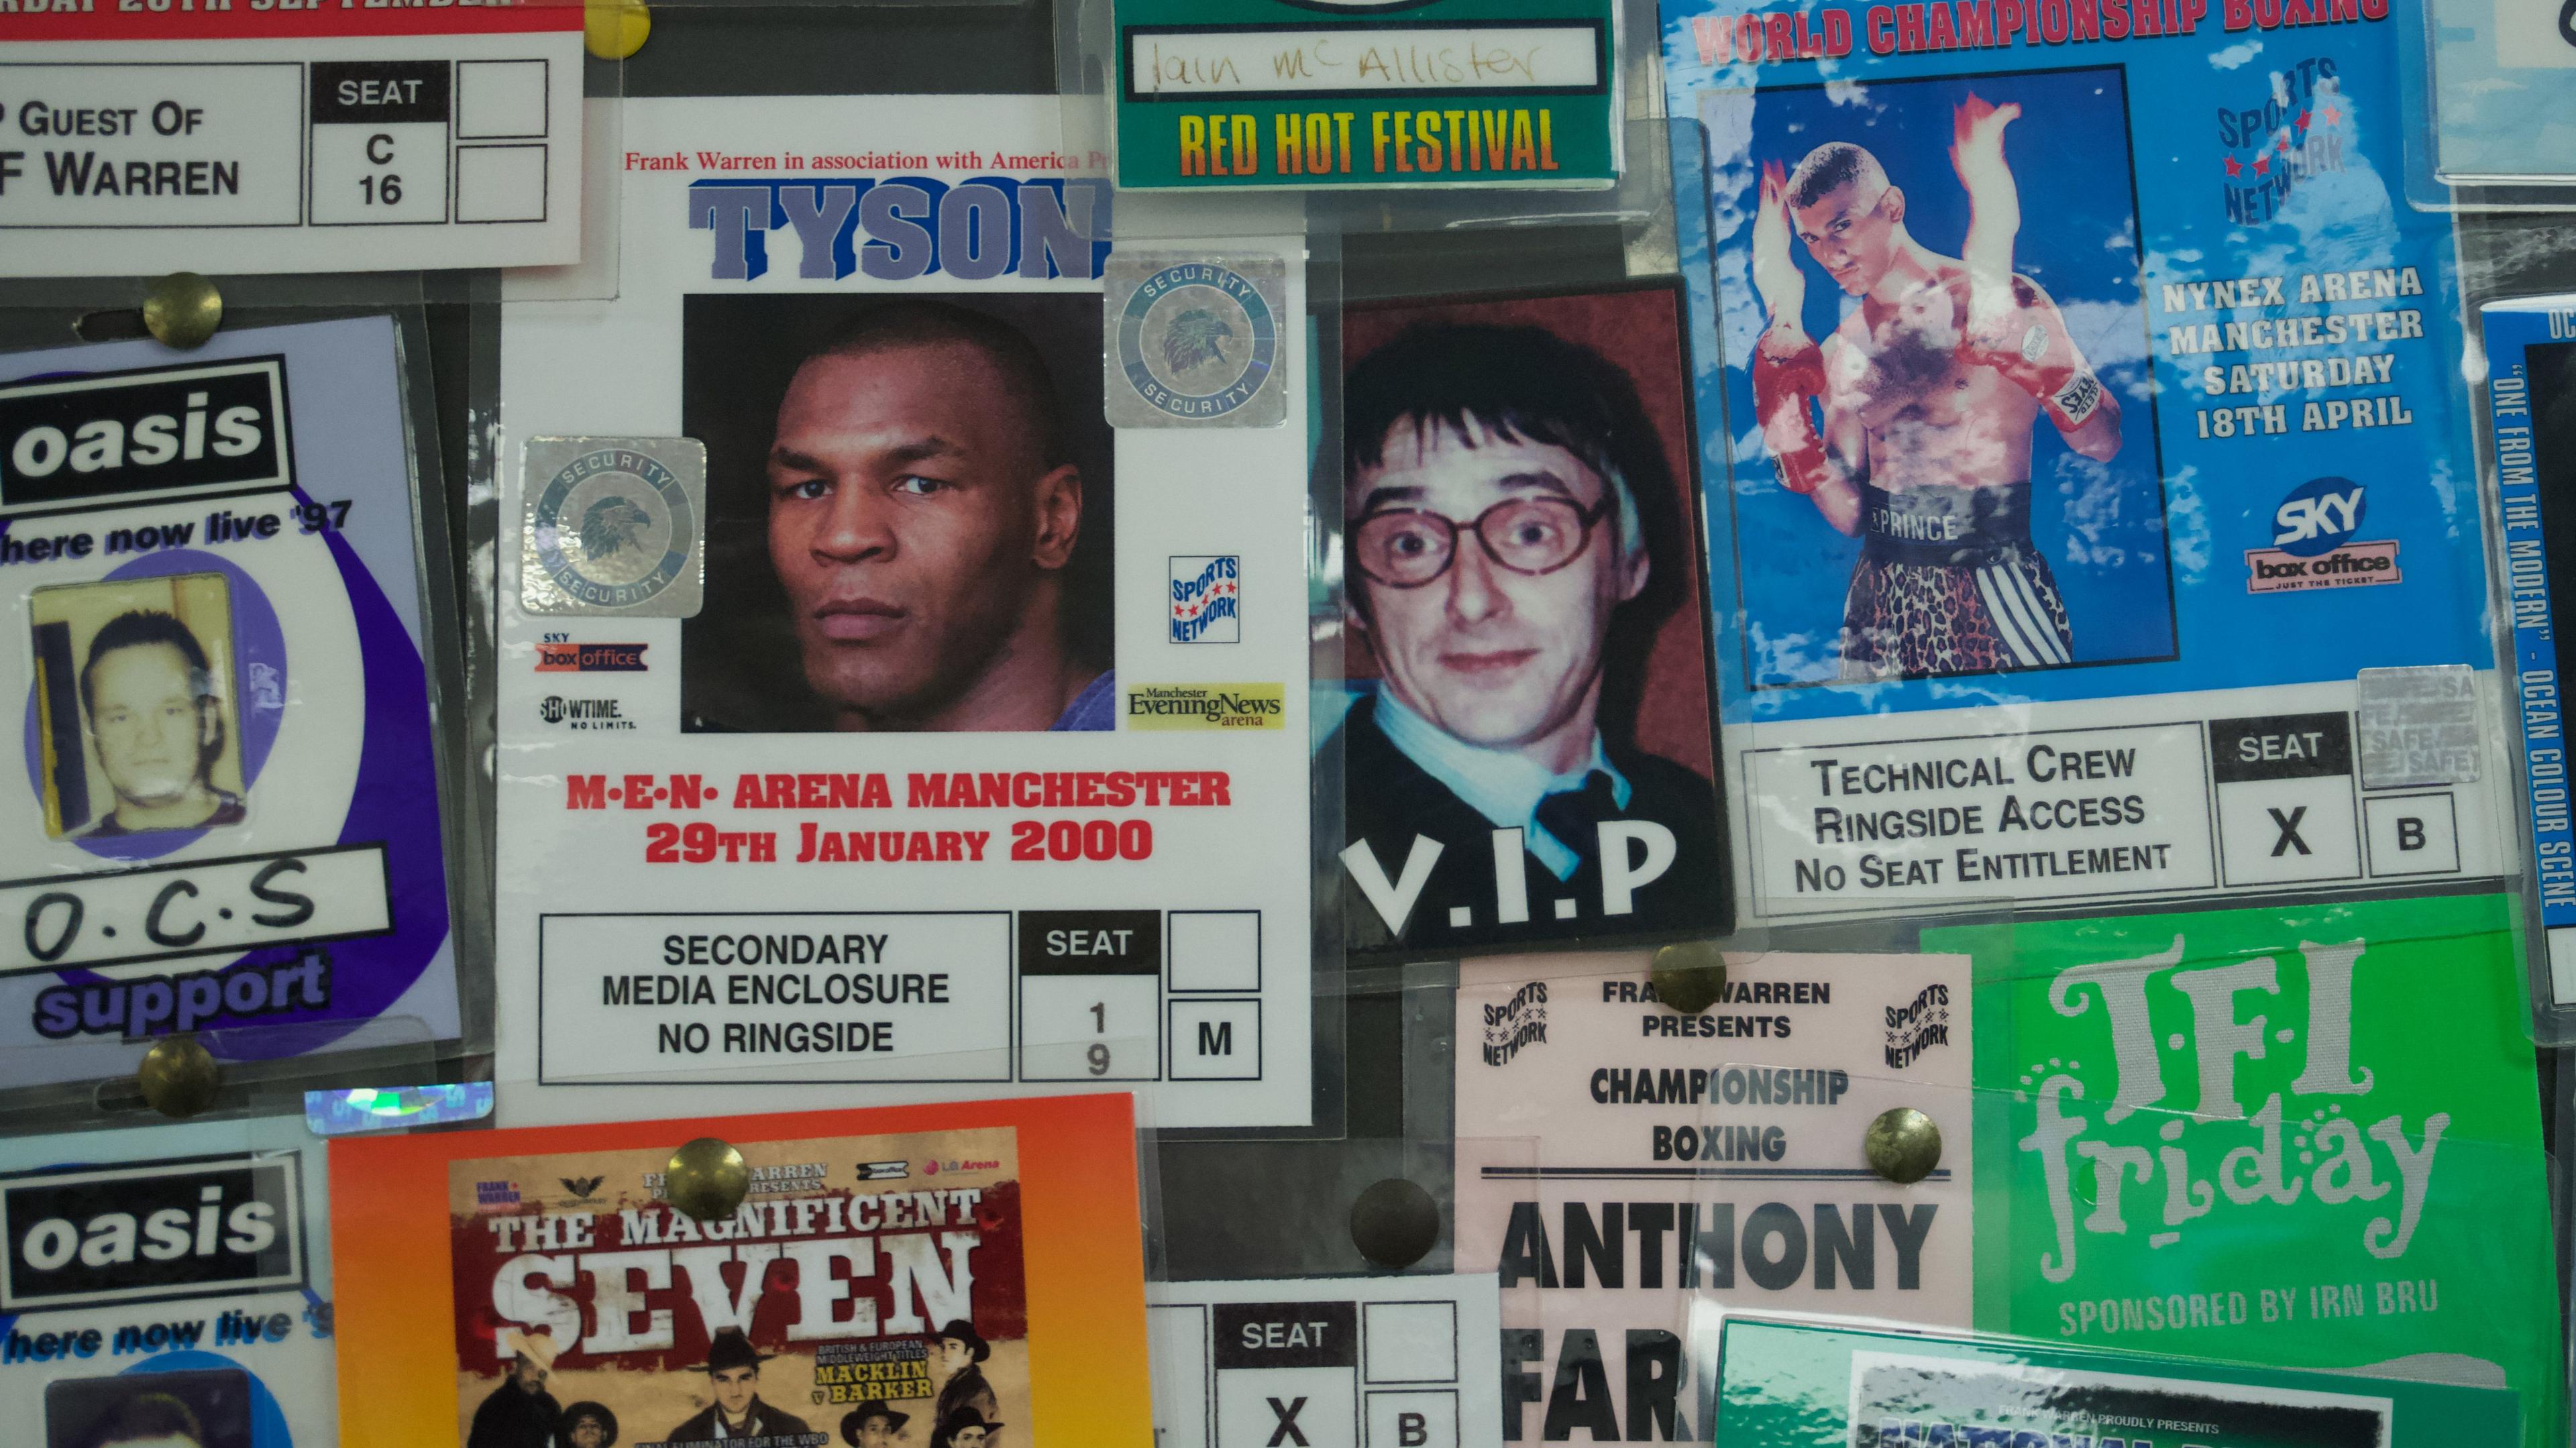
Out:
{"x": 2500, "y": 98}
{"x": 167, "y": 1284}
{"x": 220, "y": 605}
{"x": 2531, "y": 388}
{"x": 2082, "y": 359}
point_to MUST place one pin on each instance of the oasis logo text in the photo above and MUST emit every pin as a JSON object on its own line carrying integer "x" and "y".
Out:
{"x": 152, "y": 431}
{"x": 157, "y": 1232}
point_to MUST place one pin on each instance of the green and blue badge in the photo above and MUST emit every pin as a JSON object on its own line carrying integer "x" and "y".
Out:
{"x": 1366, "y": 94}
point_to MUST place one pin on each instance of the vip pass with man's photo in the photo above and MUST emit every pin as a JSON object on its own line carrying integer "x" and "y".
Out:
{"x": 231, "y": 812}
{"x": 904, "y": 492}
{"x": 1526, "y": 735}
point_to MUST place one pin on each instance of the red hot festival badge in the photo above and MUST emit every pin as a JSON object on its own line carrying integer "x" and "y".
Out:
{"x": 881, "y": 1268}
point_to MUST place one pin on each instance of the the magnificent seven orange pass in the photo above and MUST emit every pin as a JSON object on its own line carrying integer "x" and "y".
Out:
{"x": 959, "y": 1275}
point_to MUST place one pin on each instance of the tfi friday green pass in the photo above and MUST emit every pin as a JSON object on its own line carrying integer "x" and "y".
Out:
{"x": 2304, "y": 1136}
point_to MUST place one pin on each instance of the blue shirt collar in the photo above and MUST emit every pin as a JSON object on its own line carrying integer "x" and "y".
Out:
{"x": 1096, "y": 707}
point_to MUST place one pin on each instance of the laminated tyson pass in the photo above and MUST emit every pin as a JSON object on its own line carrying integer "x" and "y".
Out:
{"x": 219, "y": 614}
{"x": 2082, "y": 358}
{"x": 903, "y": 639}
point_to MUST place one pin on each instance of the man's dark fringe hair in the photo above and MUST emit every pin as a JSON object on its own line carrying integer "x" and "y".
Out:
{"x": 147, "y": 1416}
{"x": 926, "y": 323}
{"x": 1825, "y": 168}
{"x": 1520, "y": 383}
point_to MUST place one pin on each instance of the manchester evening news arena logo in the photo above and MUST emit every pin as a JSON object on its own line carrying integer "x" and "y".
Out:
{"x": 614, "y": 528}
{"x": 1205, "y": 595}
{"x": 1197, "y": 340}
{"x": 1207, "y": 706}
{"x": 2313, "y": 544}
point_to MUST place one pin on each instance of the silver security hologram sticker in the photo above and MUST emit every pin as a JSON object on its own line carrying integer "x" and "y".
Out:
{"x": 2419, "y": 725}
{"x": 1195, "y": 341}
{"x": 614, "y": 526}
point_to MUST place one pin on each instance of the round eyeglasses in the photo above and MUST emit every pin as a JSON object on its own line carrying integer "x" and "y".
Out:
{"x": 1409, "y": 547}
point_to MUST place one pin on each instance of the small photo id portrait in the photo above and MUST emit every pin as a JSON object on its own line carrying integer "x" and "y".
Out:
{"x": 135, "y": 706}
{"x": 189, "y": 1408}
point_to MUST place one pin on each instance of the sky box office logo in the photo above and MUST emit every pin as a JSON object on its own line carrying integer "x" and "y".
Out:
{"x": 153, "y": 1233}
{"x": 154, "y": 431}
{"x": 2317, "y": 516}
{"x": 567, "y": 658}
{"x": 2313, "y": 544}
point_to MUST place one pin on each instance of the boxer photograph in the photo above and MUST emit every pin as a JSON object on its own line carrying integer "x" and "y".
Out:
{"x": 1959, "y": 420}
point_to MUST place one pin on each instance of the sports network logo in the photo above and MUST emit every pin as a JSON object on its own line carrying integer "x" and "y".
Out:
{"x": 1205, "y": 594}
{"x": 2296, "y": 130}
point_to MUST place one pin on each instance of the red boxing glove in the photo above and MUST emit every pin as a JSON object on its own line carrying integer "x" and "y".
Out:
{"x": 2033, "y": 352}
{"x": 1787, "y": 370}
